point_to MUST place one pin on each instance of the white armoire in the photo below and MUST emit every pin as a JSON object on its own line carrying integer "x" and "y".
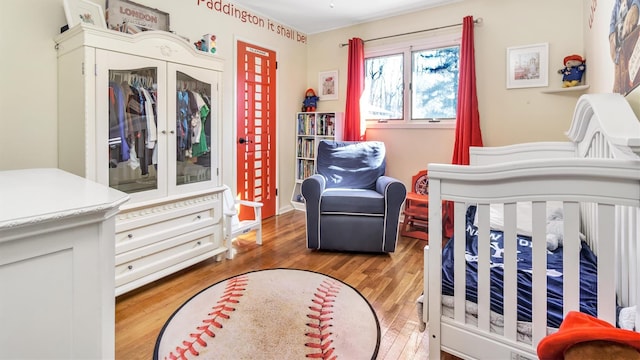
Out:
{"x": 142, "y": 114}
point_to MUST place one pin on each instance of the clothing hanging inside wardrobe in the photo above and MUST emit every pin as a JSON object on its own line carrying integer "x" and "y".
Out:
{"x": 132, "y": 118}
{"x": 193, "y": 111}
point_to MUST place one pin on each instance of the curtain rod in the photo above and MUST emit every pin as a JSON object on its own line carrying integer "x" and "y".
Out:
{"x": 475, "y": 21}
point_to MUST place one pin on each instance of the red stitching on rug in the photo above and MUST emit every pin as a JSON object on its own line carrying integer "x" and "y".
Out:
{"x": 322, "y": 316}
{"x": 234, "y": 290}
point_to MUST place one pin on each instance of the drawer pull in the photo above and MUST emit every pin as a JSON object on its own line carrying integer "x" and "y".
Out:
{"x": 198, "y": 217}
{"x": 130, "y": 267}
{"x": 130, "y": 236}
{"x": 199, "y": 243}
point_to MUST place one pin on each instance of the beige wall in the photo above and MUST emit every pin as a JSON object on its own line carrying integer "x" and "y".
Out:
{"x": 506, "y": 116}
{"x": 28, "y": 96}
{"x": 28, "y": 75}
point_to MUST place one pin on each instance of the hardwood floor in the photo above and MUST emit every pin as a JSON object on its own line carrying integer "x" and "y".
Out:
{"x": 391, "y": 283}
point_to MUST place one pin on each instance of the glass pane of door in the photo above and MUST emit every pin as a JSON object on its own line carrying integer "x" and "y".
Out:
{"x": 132, "y": 125}
{"x": 193, "y": 129}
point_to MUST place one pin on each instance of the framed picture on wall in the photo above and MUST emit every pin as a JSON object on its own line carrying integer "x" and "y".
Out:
{"x": 528, "y": 66}
{"x": 328, "y": 85}
{"x": 83, "y": 11}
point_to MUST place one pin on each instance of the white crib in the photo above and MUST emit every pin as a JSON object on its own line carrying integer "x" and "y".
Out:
{"x": 595, "y": 176}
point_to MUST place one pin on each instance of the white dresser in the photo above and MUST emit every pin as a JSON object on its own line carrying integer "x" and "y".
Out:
{"x": 56, "y": 265}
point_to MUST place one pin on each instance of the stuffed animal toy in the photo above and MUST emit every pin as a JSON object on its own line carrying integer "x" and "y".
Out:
{"x": 584, "y": 337}
{"x": 207, "y": 43}
{"x": 310, "y": 101}
{"x": 555, "y": 229}
{"x": 574, "y": 67}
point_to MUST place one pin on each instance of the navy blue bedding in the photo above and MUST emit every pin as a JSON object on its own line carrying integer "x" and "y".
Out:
{"x": 588, "y": 275}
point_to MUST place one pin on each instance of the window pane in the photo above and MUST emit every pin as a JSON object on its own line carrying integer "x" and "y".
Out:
{"x": 383, "y": 87}
{"x": 434, "y": 89}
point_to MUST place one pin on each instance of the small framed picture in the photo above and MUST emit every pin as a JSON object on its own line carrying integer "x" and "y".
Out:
{"x": 84, "y": 11}
{"x": 528, "y": 66}
{"x": 328, "y": 85}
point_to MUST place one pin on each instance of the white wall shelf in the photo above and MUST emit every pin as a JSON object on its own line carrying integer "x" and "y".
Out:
{"x": 566, "y": 89}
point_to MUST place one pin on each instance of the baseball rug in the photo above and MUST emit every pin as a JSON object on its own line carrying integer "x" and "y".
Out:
{"x": 272, "y": 314}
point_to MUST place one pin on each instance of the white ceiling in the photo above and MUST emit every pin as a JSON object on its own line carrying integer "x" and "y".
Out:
{"x": 316, "y": 16}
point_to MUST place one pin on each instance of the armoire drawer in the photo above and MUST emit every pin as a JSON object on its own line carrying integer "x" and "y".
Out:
{"x": 152, "y": 259}
{"x": 147, "y": 226}
{"x": 145, "y": 235}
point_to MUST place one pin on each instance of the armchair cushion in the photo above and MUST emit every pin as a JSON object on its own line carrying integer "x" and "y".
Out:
{"x": 352, "y": 201}
{"x": 352, "y": 165}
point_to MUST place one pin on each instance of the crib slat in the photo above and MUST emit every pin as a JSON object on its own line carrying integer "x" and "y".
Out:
{"x": 484, "y": 254}
{"x": 634, "y": 226}
{"x": 510, "y": 289}
{"x": 622, "y": 249}
{"x": 571, "y": 258}
{"x": 425, "y": 286}
{"x": 627, "y": 252}
{"x": 606, "y": 287}
{"x": 539, "y": 253}
{"x": 433, "y": 293}
{"x": 459, "y": 264}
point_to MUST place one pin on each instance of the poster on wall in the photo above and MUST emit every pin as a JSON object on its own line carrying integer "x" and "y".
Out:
{"x": 528, "y": 66}
{"x": 127, "y": 16}
{"x": 328, "y": 85}
{"x": 625, "y": 49}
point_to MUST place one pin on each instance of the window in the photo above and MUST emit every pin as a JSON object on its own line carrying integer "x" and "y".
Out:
{"x": 412, "y": 84}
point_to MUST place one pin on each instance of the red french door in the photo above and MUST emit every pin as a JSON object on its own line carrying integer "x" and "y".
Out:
{"x": 256, "y": 126}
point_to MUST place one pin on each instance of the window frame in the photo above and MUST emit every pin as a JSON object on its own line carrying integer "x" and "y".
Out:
{"x": 407, "y": 48}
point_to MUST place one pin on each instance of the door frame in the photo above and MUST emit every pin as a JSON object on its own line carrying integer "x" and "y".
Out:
{"x": 231, "y": 144}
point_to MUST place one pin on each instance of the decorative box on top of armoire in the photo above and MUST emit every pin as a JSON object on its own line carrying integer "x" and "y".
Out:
{"x": 142, "y": 114}
{"x": 56, "y": 266}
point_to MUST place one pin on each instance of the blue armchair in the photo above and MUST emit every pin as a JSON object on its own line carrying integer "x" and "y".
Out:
{"x": 350, "y": 204}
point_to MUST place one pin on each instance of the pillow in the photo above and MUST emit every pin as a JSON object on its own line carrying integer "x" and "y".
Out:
{"x": 524, "y": 224}
{"x": 352, "y": 165}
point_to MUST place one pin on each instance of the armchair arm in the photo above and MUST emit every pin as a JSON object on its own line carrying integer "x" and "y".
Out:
{"x": 311, "y": 190}
{"x": 253, "y": 204}
{"x": 257, "y": 211}
{"x": 388, "y": 186}
{"x": 395, "y": 194}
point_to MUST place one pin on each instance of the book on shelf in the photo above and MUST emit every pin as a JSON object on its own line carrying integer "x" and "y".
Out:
{"x": 306, "y": 124}
{"x": 305, "y": 169}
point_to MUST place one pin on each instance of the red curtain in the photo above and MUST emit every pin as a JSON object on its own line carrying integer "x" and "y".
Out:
{"x": 468, "y": 118}
{"x": 353, "y": 131}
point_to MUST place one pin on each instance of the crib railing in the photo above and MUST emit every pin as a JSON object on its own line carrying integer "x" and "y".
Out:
{"x": 600, "y": 191}
{"x": 627, "y": 224}
{"x": 609, "y": 186}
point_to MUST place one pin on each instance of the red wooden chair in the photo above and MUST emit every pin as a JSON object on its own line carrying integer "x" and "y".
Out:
{"x": 416, "y": 211}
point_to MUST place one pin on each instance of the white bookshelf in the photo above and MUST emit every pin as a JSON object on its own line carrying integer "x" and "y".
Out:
{"x": 311, "y": 128}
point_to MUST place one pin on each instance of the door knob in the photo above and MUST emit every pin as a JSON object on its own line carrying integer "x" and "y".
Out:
{"x": 243, "y": 140}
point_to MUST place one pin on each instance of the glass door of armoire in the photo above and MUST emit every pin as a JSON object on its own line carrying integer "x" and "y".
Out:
{"x": 193, "y": 127}
{"x": 157, "y": 126}
{"x": 131, "y": 124}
